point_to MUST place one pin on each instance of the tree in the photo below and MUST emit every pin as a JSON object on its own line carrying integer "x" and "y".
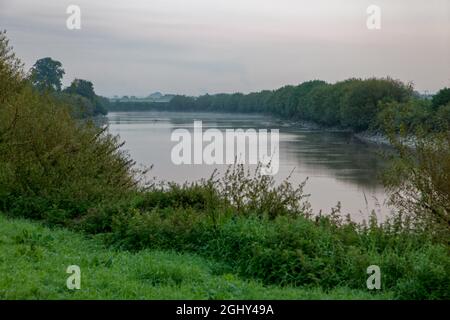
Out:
{"x": 360, "y": 105}
{"x": 11, "y": 74}
{"x": 418, "y": 181}
{"x": 47, "y": 74}
{"x": 406, "y": 116}
{"x": 441, "y": 98}
{"x": 49, "y": 162}
{"x": 12, "y": 82}
{"x": 442, "y": 118}
{"x": 85, "y": 89}
{"x": 82, "y": 87}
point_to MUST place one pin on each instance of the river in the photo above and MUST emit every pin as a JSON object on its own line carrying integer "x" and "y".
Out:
{"x": 339, "y": 167}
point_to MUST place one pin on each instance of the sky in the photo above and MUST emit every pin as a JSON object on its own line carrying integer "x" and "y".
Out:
{"x": 136, "y": 47}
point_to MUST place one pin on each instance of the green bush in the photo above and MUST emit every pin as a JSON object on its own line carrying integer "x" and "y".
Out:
{"x": 281, "y": 249}
{"x": 52, "y": 166}
{"x": 295, "y": 250}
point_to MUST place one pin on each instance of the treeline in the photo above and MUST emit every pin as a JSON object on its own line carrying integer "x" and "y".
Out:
{"x": 46, "y": 77}
{"x": 136, "y": 106}
{"x": 354, "y": 103}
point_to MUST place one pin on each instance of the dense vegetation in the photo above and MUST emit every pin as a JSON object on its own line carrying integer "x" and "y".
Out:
{"x": 136, "y": 106}
{"x": 46, "y": 77}
{"x": 73, "y": 174}
{"x": 34, "y": 259}
{"x": 48, "y": 159}
{"x": 355, "y": 104}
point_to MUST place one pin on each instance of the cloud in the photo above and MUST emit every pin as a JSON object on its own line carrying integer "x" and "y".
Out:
{"x": 179, "y": 46}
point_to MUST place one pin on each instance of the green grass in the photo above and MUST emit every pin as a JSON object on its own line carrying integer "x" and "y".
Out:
{"x": 34, "y": 259}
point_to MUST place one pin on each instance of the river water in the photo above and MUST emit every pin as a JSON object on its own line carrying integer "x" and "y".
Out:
{"x": 339, "y": 167}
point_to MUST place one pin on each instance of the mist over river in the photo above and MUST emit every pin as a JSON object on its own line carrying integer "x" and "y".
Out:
{"x": 338, "y": 166}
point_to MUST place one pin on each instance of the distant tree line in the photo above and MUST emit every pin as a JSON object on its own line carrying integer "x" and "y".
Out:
{"x": 357, "y": 104}
{"x": 136, "y": 106}
{"x": 46, "y": 76}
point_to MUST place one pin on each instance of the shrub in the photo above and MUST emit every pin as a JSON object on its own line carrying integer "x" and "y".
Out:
{"x": 419, "y": 182}
{"x": 51, "y": 165}
{"x": 295, "y": 250}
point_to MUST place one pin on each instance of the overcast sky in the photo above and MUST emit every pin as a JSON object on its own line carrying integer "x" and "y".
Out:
{"x": 136, "y": 47}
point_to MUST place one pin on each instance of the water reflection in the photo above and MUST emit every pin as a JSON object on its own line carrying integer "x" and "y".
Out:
{"x": 338, "y": 166}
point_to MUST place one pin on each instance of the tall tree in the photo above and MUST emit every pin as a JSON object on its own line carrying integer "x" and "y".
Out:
{"x": 47, "y": 74}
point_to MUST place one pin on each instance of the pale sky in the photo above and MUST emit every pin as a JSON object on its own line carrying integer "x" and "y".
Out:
{"x": 137, "y": 47}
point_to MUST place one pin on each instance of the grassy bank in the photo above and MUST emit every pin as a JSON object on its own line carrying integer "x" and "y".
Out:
{"x": 34, "y": 258}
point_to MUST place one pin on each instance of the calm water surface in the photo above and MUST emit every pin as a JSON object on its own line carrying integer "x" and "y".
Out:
{"x": 338, "y": 166}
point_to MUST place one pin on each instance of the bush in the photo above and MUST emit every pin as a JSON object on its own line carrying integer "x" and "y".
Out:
{"x": 50, "y": 165}
{"x": 285, "y": 249}
{"x": 295, "y": 250}
{"x": 419, "y": 182}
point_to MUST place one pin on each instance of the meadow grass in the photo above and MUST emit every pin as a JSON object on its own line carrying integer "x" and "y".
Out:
{"x": 34, "y": 259}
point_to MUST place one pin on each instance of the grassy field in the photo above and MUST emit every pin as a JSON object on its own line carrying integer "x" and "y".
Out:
{"x": 34, "y": 259}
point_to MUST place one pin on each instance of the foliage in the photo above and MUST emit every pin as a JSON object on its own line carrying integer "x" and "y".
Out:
{"x": 85, "y": 89}
{"x": 81, "y": 87}
{"x": 360, "y": 104}
{"x": 79, "y": 106}
{"x": 283, "y": 248}
{"x": 295, "y": 251}
{"x": 407, "y": 116}
{"x": 51, "y": 166}
{"x": 442, "y": 118}
{"x": 136, "y": 106}
{"x": 11, "y": 73}
{"x": 247, "y": 193}
{"x": 353, "y": 103}
{"x": 419, "y": 181}
{"x": 47, "y": 74}
{"x": 441, "y": 98}
{"x": 34, "y": 259}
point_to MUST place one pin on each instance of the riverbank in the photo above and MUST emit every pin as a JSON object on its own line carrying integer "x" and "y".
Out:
{"x": 365, "y": 136}
{"x": 380, "y": 139}
{"x": 368, "y": 136}
{"x": 373, "y": 137}
{"x": 34, "y": 259}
